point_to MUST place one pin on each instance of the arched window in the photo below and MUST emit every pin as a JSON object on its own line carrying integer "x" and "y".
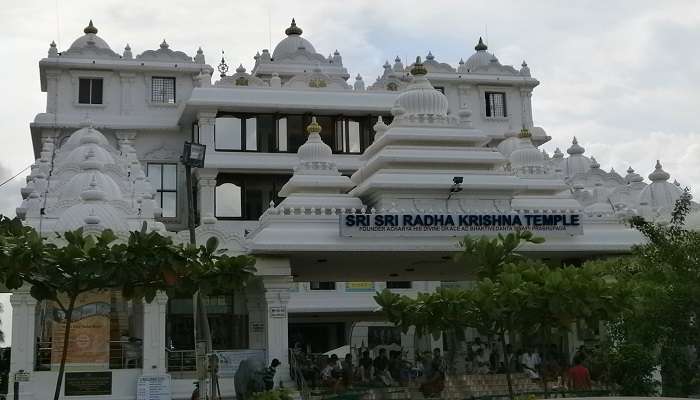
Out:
{"x": 228, "y": 201}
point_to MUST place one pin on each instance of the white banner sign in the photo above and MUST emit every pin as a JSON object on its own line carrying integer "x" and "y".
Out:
{"x": 153, "y": 387}
{"x": 230, "y": 360}
{"x": 358, "y": 225}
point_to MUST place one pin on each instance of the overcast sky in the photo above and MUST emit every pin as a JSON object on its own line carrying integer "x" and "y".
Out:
{"x": 622, "y": 76}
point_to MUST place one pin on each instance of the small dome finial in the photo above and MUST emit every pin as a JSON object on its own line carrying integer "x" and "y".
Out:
{"x": 659, "y": 175}
{"x": 90, "y": 28}
{"x": 313, "y": 127}
{"x": 222, "y": 67}
{"x": 418, "y": 68}
{"x": 481, "y": 46}
{"x": 293, "y": 29}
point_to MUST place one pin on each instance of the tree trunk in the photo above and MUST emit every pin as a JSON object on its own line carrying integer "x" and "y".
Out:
{"x": 506, "y": 364}
{"x": 64, "y": 353}
{"x": 547, "y": 333}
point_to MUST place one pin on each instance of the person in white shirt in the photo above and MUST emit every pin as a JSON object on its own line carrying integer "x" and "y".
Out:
{"x": 530, "y": 361}
{"x": 482, "y": 362}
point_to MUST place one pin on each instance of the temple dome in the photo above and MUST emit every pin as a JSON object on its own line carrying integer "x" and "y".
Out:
{"x": 526, "y": 159}
{"x": 481, "y": 58}
{"x": 420, "y": 98}
{"x": 576, "y": 163}
{"x": 92, "y": 150}
{"x": 292, "y": 43}
{"x": 314, "y": 150}
{"x": 660, "y": 194}
{"x": 82, "y": 181}
{"x": 509, "y": 144}
{"x": 84, "y": 135}
{"x": 80, "y": 215}
{"x": 90, "y": 42}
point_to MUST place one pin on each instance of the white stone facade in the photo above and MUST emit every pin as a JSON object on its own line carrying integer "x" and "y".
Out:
{"x": 111, "y": 118}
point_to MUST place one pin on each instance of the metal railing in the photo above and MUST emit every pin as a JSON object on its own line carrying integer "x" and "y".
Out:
{"x": 123, "y": 354}
{"x": 180, "y": 360}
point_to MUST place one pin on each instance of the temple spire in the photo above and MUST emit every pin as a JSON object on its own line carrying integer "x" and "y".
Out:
{"x": 293, "y": 29}
{"x": 481, "y": 46}
{"x": 90, "y": 28}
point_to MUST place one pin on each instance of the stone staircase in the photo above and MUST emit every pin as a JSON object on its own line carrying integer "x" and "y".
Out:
{"x": 465, "y": 386}
{"x": 456, "y": 388}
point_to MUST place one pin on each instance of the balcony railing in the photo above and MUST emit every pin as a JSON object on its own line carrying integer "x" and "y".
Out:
{"x": 123, "y": 354}
{"x": 180, "y": 360}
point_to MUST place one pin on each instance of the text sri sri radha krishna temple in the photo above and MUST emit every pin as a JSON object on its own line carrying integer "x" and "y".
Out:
{"x": 339, "y": 189}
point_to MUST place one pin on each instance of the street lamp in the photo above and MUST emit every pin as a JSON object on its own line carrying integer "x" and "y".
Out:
{"x": 193, "y": 157}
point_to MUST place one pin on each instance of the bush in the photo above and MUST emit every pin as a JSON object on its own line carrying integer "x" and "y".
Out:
{"x": 275, "y": 394}
{"x": 630, "y": 368}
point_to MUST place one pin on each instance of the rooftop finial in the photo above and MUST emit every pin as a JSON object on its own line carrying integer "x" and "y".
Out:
{"x": 418, "y": 68}
{"x": 481, "y": 46}
{"x": 313, "y": 127}
{"x": 90, "y": 28}
{"x": 222, "y": 67}
{"x": 293, "y": 29}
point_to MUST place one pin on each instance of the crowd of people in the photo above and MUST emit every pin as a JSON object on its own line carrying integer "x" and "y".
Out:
{"x": 387, "y": 368}
{"x": 428, "y": 370}
{"x": 486, "y": 358}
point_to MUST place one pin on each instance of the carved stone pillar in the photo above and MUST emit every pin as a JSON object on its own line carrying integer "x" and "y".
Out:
{"x": 23, "y": 335}
{"x": 257, "y": 317}
{"x": 52, "y": 78}
{"x": 526, "y": 101}
{"x": 206, "y": 188}
{"x": 154, "y": 314}
{"x": 277, "y": 299}
{"x": 206, "y": 123}
{"x": 127, "y": 80}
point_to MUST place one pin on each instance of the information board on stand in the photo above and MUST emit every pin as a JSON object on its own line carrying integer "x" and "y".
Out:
{"x": 153, "y": 387}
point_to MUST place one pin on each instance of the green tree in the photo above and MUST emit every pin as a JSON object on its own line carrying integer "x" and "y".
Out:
{"x": 667, "y": 270}
{"x": 76, "y": 263}
{"x": 511, "y": 294}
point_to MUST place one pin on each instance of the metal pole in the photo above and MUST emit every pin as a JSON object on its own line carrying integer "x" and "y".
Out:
{"x": 15, "y": 395}
{"x": 190, "y": 205}
{"x": 196, "y": 299}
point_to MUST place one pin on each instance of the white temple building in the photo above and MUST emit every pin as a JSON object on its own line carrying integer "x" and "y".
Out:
{"x": 293, "y": 148}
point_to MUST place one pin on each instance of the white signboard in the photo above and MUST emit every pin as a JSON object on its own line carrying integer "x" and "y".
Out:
{"x": 278, "y": 312}
{"x": 22, "y": 376}
{"x": 429, "y": 224}
{"x": 153, "y": 387}
{"x": 230, "y": 360}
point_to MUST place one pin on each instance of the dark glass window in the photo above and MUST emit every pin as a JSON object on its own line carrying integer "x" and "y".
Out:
{"x": 440, "y": 89}
{"x": 228, "y": 322}
{"x": 163, "y": 178}
{"x": 322, "y": 285}
{"x": 163, "y": 90}
{"x": 495, "y": 104}
{"x": 398, "y": 284}
{"x": 296, "y": 132}
{"x": 90, "y": 90}
{"x": 270, "y": 133}
{"x": 246, "y": 196}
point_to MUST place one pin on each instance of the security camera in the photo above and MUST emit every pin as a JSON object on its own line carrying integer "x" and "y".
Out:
{"x": 458, "y": 180}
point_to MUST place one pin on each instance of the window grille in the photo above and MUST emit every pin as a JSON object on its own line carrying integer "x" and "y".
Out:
{"x": 496, "y": 104}
{"x": 163, "y": 90}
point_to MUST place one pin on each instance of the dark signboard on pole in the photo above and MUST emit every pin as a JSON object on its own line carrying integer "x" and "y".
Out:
{"x": 88, "y": 383}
